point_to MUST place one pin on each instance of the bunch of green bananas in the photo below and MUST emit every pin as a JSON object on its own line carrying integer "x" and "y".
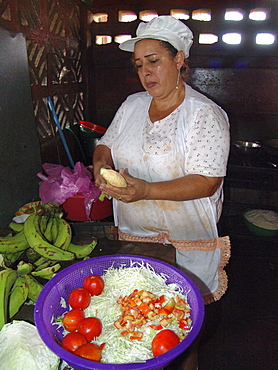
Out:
{"x": 16, "y": 286}
{"x": 37, "y": 248}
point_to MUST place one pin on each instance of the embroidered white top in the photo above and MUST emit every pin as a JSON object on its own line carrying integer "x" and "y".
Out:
{"x": 193, "y": 139}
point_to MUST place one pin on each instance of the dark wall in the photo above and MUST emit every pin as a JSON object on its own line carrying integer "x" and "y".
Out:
{"x": 19, "y": 145}
{"x": 241, "y": 78}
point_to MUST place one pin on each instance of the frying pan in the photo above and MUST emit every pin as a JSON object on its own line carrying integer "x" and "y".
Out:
{"x": 247, "y": 147}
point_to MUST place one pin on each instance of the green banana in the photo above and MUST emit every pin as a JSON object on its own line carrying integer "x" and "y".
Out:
{"x": 15, "y": 226}
{"x": 10, "y": 258}
{"x": 13, "y": 243}
{"x": 34, "y": 287}
{"x": 42, "y": 263}
{"x": 47, "y": 272}
{"x": 42, "y": 223}
{"x": 42, "y": 246}
{"x": 18, "y": 296}
{"x": 64, "y": 234}
{"x": 41, "y": 260}
{"x": 84, "y": 250}
{"x": 7, "y": 280}
{"x": 54, "y": 228}
{"x": 32, "y": 256}
{"x": 24, "y": 268}
{"x": 47, "y": 234}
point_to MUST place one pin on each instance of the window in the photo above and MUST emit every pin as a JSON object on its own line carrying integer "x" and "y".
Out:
{"x": 259, "y": 14}
{"x": 126, "y": 16}
{"x": 121, "y": 38}
{"x": 265, "y": 38}
{"x": 100, "y": 17}
{"x": 207, "y": 38}
{"x": 234, "y": 15}
{"x": 232, "y": 38}
{"x": 147, "y": 15}
{"x": 180, "y": 14}
{"x": 201, "y": 15}
{"x": 103, "y": 39}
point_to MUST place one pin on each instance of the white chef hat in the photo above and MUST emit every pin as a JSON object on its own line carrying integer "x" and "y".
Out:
{"x": 164, "y": 28}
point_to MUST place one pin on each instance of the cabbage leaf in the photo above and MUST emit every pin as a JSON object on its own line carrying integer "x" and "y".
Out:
{"x": 21, "y": 347}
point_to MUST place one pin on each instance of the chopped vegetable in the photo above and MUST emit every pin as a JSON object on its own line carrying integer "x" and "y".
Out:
{"x": 128, "y": 335}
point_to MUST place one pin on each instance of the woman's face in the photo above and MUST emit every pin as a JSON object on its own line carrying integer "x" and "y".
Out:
{"x": 157, "y": 69}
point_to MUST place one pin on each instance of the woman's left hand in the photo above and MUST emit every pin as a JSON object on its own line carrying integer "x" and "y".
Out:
{"x": 136, "y": 189}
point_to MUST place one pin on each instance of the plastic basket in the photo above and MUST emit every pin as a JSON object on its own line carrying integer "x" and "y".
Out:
{"x": 48, "y": 305}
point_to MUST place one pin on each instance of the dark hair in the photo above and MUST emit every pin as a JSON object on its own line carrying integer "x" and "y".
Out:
{"x": 173, "y": 52}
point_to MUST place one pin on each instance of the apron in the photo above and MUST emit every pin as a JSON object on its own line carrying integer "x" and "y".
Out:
{"x": 175, "y": 222}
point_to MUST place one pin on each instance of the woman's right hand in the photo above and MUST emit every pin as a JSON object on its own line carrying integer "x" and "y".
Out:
{"x": 102, "y": 159}
{"x": 136, "y": 189}
{"x": 99, "y": 180}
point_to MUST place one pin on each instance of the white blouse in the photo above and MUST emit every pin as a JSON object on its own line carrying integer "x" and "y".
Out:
{"x": 193, "y": 139}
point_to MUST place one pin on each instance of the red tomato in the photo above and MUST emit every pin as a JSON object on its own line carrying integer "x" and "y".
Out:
{"x": 164, "y": 341}
{"x": 72, "y": 341}
{"x": 90, "y": 327}
{"x": 72, "y": 318}
{"x": 94, "y": 284}
{"x": 89, "y": 351}
{"x": 79, "y": 298}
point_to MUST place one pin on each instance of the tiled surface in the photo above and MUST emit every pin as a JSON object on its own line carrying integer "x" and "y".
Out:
{"x": 242, "y": 329}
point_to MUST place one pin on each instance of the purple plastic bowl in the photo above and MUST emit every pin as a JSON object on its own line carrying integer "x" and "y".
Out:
{"x": 48, "y": 305}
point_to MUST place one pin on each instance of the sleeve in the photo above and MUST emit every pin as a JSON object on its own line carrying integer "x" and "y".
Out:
{"x": 112, "y": 132}
{"x": 208, "y": 142}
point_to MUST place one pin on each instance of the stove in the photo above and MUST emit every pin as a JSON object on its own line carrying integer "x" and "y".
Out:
{"x": 251, "y": 182}
{"x": 258, "y": 159}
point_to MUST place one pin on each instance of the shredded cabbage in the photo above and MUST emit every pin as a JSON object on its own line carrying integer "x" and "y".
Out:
{"x": 22, "y": 348}
{"x": 120, "y": 282}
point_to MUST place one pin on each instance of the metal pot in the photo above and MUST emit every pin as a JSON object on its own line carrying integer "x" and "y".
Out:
{"x": 247, "y": 147}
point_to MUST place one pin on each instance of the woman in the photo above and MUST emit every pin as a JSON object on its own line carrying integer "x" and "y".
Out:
{"x": 173, "y": 143}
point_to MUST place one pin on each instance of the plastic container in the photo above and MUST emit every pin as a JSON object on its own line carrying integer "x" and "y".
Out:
{"x": 90, "y": 134}
{"x": 74, "y": 209}
{"x": 91, "y": 130}
{"x": 256, "y": 230}
{"x": 48, "y": 305}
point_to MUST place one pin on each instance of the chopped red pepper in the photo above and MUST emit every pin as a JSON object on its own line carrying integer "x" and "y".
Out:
{"x": 136, "y": 335}
{"x": 145, "y": 308}
{"x": 156, "y": 327}
{"x": 183, "y": 324}
{"x": 163, "y": 311}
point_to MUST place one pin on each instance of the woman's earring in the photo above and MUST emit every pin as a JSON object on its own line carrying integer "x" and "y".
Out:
{"x": 178, "y": 80}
